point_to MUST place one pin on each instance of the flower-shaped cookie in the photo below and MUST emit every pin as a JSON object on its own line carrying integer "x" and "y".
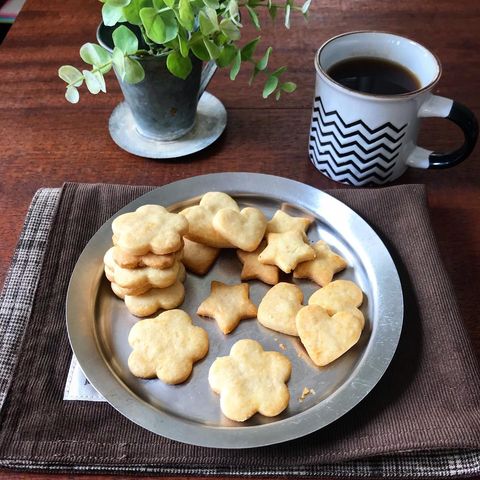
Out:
{"x": 251, "y": 380}
{"x": 127, "y": 260}
{"x": 166, "y": 346}
{"x": 322, "y": 268}
{"x": 153, "y": 300}
{"x": 200, "y": 219}
{"x": 151, "y": 228}
{"x": 138, "y": 279}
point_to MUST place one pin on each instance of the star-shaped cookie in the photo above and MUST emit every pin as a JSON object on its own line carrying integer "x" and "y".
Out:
{"x": 228, "y": 304}
{"x": 253, "y": 269}
{"x": 322, "y": 268}
{"x": 251, "y": 380}
{"x": 286, "y": 250}
{"x": 283, "y": 222}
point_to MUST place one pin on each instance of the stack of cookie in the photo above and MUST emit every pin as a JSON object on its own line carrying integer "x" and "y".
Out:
{"x": 144, "y": 265}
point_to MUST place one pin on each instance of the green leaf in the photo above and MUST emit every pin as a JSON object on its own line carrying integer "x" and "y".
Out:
{"x": 72, "y": 95}
{"x": 160, "y": 27}
{"x": 125, "y": 40}
{"x": 233, "y": 10}
{"x": 96, "y": 55}
{"x": 253, "y": 17}
{"x": 111, "y": 14}
{"x": 132, "y": 11}
{"x": 287, "y": 15}
{"x": 185, "y": 14}
{"x": 198, "y": 47}
{"x": 288, "y": 87}
{"x": 277, "y": 95}
{"x": 273, "y": 12}
{"x": 306, "y": 6}
{"x": 226, "y": 56}
{"x": 270, "y": 86}
{"x": 178, "y": 65}
{"x": 249, "y": 49}
{"x": 255, "y": 72}
{"x": 134, "y": 72}
{"x": 101, "y": 81}
{"x": 208, "y": 21}
{"x": 71, "y": 75}
{"x": 169, "y": 3}
{"x": 118, "y": 59}
{"x": 236, "y": 65}
{"x": 213, "y": 49}
{"x": 229, "y": 29}
{"x": 212, "y": 4}
{"x": 183, "y": 46}
{"x": 117, "y": 3}
{"x": 91, "y": 82}
{"x": 263, "y": 62}
{"x": 158, "y": 4}
{"x": 279, "y": 71}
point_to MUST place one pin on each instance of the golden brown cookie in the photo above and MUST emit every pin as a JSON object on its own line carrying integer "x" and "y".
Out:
{"x": 127, "y": 260}
{"x": 286, "y": 250}
{"x": 166, "y": 347}
{"x": 338, "y": 296}
{"x": 228, "y": 304}
{"x": 282, "y": 222}
{"x": 200, "y": 218}
{"x": 199, "y": 258}
{"x": 243, "y": 229}
{"x": 153, "y": 300}
{"x": 253, "y": 269}
{"x": 322, "y": 268}
{"x": 251, "y": 380}
{"x": 326, "y": 337}
{"x": 137, "y": 279}
{"x": 150, "y": 228}
{"x": 279, "y": 307}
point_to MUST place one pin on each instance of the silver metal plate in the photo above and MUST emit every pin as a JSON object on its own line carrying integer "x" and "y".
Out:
{"x": 98, "y": 323}
{"x": 210, "y": 122}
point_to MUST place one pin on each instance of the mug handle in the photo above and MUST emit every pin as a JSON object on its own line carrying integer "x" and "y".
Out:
{"x": 207, "y": 74}
{"x": 436, "y": 106}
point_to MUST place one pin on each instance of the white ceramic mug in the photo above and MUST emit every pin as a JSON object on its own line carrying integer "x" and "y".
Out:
{"x": 361, "y": 138}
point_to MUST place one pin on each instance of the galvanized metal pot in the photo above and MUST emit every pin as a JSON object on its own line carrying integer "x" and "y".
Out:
{"x": 163, "y": 106}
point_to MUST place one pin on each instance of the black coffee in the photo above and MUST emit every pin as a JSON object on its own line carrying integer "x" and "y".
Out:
{"x": 374, "y": 75}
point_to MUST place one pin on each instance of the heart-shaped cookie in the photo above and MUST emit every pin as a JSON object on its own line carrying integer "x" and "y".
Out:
{"x": 245, "y": 230}
{"x": 200, "y": 219}
{"x": 279, "y": 307}
{"x": 338, "y": 296}
{"x": 327, "y": 338}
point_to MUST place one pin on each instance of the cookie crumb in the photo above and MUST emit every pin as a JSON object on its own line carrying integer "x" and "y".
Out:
{"x": 306, "y": 391}
{"x": 282, "y": 346}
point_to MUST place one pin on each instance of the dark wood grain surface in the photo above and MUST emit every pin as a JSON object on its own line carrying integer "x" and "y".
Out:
{"x": 46, "y": 141}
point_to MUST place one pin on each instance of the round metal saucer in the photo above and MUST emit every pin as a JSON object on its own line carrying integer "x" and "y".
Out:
{"x": 209, "y": 124}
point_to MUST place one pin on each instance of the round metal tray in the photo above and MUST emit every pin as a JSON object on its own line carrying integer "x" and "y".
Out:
{"x": 98, "y": 323}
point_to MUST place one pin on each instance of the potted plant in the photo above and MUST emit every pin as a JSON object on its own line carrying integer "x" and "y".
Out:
{"x": 156, "y": 48}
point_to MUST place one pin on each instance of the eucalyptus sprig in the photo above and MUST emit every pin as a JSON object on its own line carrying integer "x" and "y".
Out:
{"x": 178, "y": 29}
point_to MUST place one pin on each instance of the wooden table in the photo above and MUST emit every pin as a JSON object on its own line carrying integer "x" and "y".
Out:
{"x": 46, "y": 141}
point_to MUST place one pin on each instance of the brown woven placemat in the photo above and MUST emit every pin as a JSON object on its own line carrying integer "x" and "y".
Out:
{"x": 427, "y": 406}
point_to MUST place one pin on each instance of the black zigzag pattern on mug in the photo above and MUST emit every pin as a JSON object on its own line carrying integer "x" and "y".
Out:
{"x": 344, "y": 155}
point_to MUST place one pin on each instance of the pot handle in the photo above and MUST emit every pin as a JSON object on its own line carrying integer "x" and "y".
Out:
{"x": 207, "y": 73}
